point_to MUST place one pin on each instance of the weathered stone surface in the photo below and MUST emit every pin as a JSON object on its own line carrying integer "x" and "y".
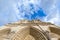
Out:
{"x": 29, "y": 30}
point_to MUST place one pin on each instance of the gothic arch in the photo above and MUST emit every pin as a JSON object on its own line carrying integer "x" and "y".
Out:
{"x": 32, "y": 31}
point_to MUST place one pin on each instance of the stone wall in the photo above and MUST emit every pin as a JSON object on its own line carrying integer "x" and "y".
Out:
{"x": 34, "y": 32}
{"x": 21, "y": 34}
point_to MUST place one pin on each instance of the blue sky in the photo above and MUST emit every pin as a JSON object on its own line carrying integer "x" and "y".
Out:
{"x": 44, "y": 10}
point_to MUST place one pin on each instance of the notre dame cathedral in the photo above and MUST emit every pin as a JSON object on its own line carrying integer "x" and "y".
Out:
{"x": 30, "y": 30}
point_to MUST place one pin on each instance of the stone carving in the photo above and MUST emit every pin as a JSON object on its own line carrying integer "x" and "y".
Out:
{"x": 29, "y": 30}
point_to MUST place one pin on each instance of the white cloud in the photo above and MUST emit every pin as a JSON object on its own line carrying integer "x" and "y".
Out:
{"x": 50, "y": 7}
{"x": 53, "y": 14}
{"x": 13, "y": 10}
{"x": 7, "y": 12}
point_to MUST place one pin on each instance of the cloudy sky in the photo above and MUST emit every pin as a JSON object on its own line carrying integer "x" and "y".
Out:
{"x": 44, "y": 10}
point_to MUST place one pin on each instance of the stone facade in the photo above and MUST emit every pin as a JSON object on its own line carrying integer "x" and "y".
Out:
{"x": 29, "y": 30}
